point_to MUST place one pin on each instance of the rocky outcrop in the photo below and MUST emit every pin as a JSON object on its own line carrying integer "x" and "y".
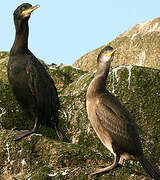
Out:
{"x": 43, "y": 156}
{"x": 137, "y": 46}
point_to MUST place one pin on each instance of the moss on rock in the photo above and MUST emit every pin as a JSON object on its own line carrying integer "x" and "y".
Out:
{"x": 43, "y": 157}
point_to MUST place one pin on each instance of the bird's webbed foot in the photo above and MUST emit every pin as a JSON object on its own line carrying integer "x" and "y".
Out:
{"x": 23, "y": 133}
{"x": 108, "y": 168}
{"x": 60, "y": 134}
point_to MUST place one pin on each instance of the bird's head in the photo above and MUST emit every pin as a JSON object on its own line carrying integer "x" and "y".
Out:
{"x": 24, "y": 11}
{"x": 106, "y": 54}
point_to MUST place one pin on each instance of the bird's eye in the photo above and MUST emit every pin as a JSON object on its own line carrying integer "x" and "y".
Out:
{"x": 23, "y": 8}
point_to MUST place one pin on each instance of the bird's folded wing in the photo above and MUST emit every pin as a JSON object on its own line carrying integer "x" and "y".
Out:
{"x": 41, "y": 85}
{"x": 116, "y": 122}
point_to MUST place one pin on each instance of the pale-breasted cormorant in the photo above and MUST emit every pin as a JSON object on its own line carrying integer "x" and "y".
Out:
{"x": 111, "y": 120}
{"x": 32, "y": 86}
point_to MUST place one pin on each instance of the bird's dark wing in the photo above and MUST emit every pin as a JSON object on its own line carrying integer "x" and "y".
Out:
{"x": 42, "y": 87}
{"x": 116, "y": 120}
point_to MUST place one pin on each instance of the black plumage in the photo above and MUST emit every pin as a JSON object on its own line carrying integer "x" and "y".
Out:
{"x": 111, "y": 120}
{"x": 32, "y": 86}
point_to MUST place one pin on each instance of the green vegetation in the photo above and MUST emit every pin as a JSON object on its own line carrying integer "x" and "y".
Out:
{"x": 44, "y": 157}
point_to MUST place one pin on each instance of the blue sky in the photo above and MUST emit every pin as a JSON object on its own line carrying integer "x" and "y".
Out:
{"x": 62, "y": 31}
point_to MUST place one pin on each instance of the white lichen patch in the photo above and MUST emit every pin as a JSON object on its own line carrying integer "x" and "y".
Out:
{"x": 8, "y": 152}
{"x": 23, "y": 162}
{"x": 74, "y": 140}
{"x": 62, "y": 172}
{"x": 129, "y": 74}
{"x": 88, "y": 128}
{"x": 116, "y": 77}
{"x": 53, "y": 175}
{"x": 2, "y": 111}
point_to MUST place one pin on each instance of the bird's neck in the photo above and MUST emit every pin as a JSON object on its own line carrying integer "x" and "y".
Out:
{"x": 98, "y": 84}
{"x": 21, "y": 39}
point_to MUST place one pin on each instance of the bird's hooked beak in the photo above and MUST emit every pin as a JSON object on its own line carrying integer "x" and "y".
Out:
{"x": 111, "y": 53}
{"x": 28, "y": 12}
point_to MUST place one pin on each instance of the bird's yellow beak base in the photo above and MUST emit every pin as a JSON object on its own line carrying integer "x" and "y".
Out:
{"x": 28, "y": 12}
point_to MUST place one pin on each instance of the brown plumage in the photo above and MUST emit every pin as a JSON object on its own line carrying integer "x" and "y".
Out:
{"x": 31, "y": 84}
{"x": 112, "y": 122}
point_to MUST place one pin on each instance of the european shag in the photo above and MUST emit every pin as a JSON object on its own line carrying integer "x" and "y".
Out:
{"x": 112, "y": 122}
{"x": 32, "y": 86}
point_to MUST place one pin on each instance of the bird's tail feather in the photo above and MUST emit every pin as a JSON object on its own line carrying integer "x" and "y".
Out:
{"x": 149, "y": 168}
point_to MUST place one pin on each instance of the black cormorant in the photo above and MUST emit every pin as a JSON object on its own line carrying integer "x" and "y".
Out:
{"x": 112, "y": 122}
{"x": 32, "y": 86}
